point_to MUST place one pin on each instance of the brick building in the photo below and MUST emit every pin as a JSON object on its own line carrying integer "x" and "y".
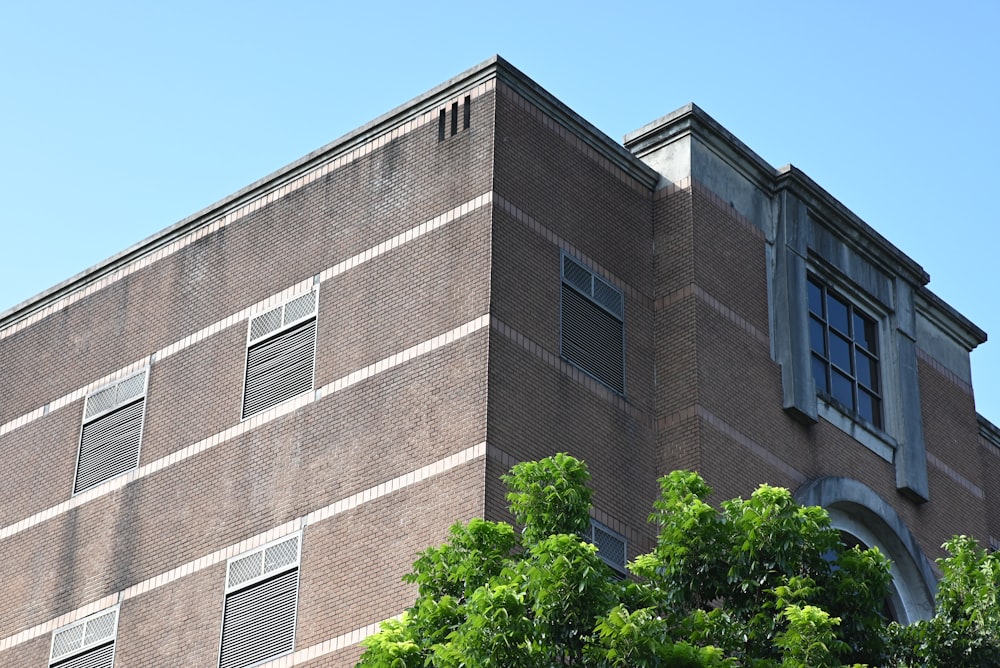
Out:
{"x": 227, "y": 443}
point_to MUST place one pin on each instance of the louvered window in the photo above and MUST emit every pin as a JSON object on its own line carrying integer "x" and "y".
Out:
{"x": 593, "y": 326}
{"x": 88, "y": 643}
{"x": 281, "y": 353}
{"x": 261, "y": 594}
{"x": 111, "y": 432}
{"x": 611, "y": 546}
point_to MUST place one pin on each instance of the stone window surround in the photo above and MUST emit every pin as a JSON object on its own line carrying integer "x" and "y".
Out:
{"x": 807, "y": 244}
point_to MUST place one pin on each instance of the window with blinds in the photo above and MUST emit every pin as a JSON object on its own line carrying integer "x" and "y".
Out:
{"x": 112, "y": 431}
{"x": 281, "y": 354}
{"x": 593, "y": 324}
{"x": 88, "y": 643}
{"x": 262, "y": 588}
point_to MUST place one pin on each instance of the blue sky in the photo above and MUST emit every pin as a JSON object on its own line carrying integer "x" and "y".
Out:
{"x": 120, "y": 119}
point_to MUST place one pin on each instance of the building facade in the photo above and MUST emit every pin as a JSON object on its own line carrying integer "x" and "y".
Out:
{"x": 226, "y": 444}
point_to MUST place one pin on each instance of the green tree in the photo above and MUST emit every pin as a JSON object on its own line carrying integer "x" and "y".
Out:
{"x": 965, "y": 631}
{"x": 759, "y": 582}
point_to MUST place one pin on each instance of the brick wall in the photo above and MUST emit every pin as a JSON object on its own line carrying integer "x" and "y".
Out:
{"x": 399, "y": 236}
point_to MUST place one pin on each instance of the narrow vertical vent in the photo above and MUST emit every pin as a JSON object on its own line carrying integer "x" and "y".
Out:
{"x": 111, "y": 432}
{"x": 593, "y": 327}
{"x": 281, "y": 353}
{"x": 450, "y": 123}
{"x": 88, "y": 643}
{"x": 261, "y": 597}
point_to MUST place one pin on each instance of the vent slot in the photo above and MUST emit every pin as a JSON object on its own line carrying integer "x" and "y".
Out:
{"x": 89, "y": 643}
{"x": 279, "y": 368}
{"x": 259, "y": 621}
{"x": 449, "y": 123}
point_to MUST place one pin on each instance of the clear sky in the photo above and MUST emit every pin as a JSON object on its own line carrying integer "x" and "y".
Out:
{"x": 121, "y": 118}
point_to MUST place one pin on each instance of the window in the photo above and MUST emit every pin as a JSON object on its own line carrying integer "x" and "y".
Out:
{"x": 262, "y": 589}
{"x": 88, "y": 643}
{"x": 281, "y": 352}
{"x": 111, "y": 432}
{"x": 611, "y": 546}
{"x": 593, "y": 325}
{"x": 844, "y": 346}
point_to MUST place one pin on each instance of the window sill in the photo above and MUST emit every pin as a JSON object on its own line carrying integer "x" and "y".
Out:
{"x": 870, "y": 436}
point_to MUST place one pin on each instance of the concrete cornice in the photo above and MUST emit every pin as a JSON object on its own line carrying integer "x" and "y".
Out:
{"x": 848, "y": 226}
{"x": 948, "y": 320}
{"x": 692, "y": 120}
{"x": 988, "y": 431}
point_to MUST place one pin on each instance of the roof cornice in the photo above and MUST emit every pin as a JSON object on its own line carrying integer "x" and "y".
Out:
{"x": 692, "y": 120}
{"x": 843, "y": 222}
{"x": 492, "y": 68}
{"x": 948, "y": 320}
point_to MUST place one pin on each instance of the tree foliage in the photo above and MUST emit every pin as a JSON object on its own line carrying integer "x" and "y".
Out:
{"x": 965, "y": 631}
{"x": 759, "y": 582}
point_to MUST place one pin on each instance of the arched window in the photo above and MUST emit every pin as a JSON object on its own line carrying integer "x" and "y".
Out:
{"x": 864, "y": 518}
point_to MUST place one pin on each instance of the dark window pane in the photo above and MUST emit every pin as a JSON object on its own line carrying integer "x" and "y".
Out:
{"x": 867, "y": 371}
{"x": 815, "y": 299}
{"x": 836, "y": 313}
{"x": 819, "y": 373}
{"x": 843, "y": 389}
{"x": 865, "y": 333}
{"x": 816, "y": 331}
{"x": 840, "y": 351}
{"x": 868, "y": 407}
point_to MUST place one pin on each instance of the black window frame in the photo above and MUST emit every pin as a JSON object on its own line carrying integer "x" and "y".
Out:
{"x": 865, "y": 397}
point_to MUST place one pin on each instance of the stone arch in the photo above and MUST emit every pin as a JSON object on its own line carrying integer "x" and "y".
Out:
{"x": 857, "y": 510}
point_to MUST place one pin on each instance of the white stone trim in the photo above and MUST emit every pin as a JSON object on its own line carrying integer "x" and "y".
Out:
{"x": 243, "y": 314}
{"x": 247, "y": 425}
{"x": 237, "y": 549}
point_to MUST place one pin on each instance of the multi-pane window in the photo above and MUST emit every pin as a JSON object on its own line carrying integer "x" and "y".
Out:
{"x": 88, "y": 643}
{"x": 845, "y": 353}
{"x": 593, "y": 324}
{"x": 281, "y": 352}
{"x": 111, "y": 432}
{"x": 262, "y": 588}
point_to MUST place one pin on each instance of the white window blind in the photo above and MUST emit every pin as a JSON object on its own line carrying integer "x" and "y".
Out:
{"x": 261, "y": 596}
{"x": 111, "y": 432}
{"x": 281, "y": 354}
